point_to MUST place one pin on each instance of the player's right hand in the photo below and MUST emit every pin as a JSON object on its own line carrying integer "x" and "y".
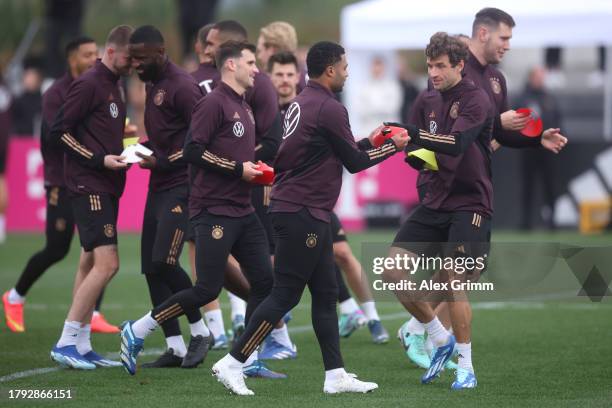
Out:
{"x": 512, "y": 120}
{"x": 147, "y": 162}
{"x": 114, "y": 162}
{"x": 249, "y": 171}
{"x": 401, "y": 139}
{"x": 374, "y": 133}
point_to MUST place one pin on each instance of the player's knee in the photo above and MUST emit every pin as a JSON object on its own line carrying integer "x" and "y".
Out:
{"x": 324, "y": 301}
{"x": 108, "y": 266}
{"x": 392, "y": 275}
{"x": 342, "y": 254}
{"x": 55, "y": 253}
{"x": 262, "y": 287}
{"x": 162, "y": 268}
{"x": 286, "y": 297}
{"x": 208, "y": 292}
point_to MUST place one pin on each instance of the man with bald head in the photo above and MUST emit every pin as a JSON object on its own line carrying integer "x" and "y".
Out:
{"x": 171, "y": 96}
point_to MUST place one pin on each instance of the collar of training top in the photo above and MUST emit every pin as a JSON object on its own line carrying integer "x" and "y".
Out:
{"x": 228, "y": 90}
{"x": 473, "y": 61}
{"x": 316, "y": 85}
{"x": 106, "y": 71}
{"x": 459, "y": 88}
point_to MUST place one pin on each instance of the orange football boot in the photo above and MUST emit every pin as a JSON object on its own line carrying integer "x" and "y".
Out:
{"x": 13, "y": 313}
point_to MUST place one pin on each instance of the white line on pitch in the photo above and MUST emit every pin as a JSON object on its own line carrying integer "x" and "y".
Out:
{"x": 307, "y": 328}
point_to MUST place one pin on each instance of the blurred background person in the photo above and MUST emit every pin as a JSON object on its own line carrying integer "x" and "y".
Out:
{"x": 409, "y": 89}
{"x": 276, "y": 37}
{"x": 27, "y": 106}
{"x": 538, "y": 164}
{"x": 380, "y": 97}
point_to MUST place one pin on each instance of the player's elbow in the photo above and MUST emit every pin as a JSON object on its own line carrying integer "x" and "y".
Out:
{"x": 353, "y": 167}
{"x": 456, "y": 152}
{"x": 191, "y": 153}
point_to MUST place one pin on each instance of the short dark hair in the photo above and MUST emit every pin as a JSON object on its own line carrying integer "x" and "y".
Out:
{"x": 74, "y": 44}
{"x": 443, "y": 44}
{"x": 119, "y": 36}
{"x": 491, "y": 17}
{"x": 282, "y": 58}
{"x": 322, "y": 55}
{"x": 203, "y": 32}
{"x": 232, "y": 49}
{"x": 146, "y": 34}
{"x": 233, "y": 28}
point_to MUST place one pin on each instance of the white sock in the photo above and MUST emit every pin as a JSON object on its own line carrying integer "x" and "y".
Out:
{"x": 237, "y": 305}
{"x": 2, "y": 228}
{"x": 14, "y": 297}
{"x": 144, "y": 326}
{"x": 369, "y": 309}
{"x": 230, "y": 361}
{"x": 438, "y": 334}
{"x": 199, "y": 329}
{"x": 464, "y": 351}
{"x": 214, "y": 321}
{"x": 177, "y": 344}
{"x": 282, "y": 336}
{"x": 83, "y": 343}
{"x": 332, "y": 375}
{"x": 252, "y": 358}
{"x": 415, "y": 327}
{"x": 428, "y": 345}
{"x": 70, "y": 333}
{"x": 348, "y": 306}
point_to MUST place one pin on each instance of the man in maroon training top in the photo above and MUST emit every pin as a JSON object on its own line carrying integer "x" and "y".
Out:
{"x": 171, "y": 94}
{"x": 220, "y": 148}
{"x": 458, "y": 202}
{"x": 81, "y": 54}
{"x": 90, "y": 127}
{"x": 263, "y": 101}
{"x": 489, "y": 43}
{"x": 317, "y": 144}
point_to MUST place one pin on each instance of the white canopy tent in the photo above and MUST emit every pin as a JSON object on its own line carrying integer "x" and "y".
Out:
{"x": 379, "y": 27}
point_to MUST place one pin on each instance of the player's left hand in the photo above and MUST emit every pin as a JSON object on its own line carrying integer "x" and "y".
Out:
{"x": 553, "y": 140}
{"x": 147, "y": 162}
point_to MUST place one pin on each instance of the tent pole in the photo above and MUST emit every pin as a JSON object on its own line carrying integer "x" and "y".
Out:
{"x": 607, "y": 114}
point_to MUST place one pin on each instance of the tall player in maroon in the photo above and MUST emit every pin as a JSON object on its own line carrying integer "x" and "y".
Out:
{"x": 171, "y": 94}
{"x": 317, "y": 145}
{"x": 490, "y": 41}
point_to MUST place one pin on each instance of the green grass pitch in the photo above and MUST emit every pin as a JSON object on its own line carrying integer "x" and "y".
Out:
{"x": 543, "y": 354}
